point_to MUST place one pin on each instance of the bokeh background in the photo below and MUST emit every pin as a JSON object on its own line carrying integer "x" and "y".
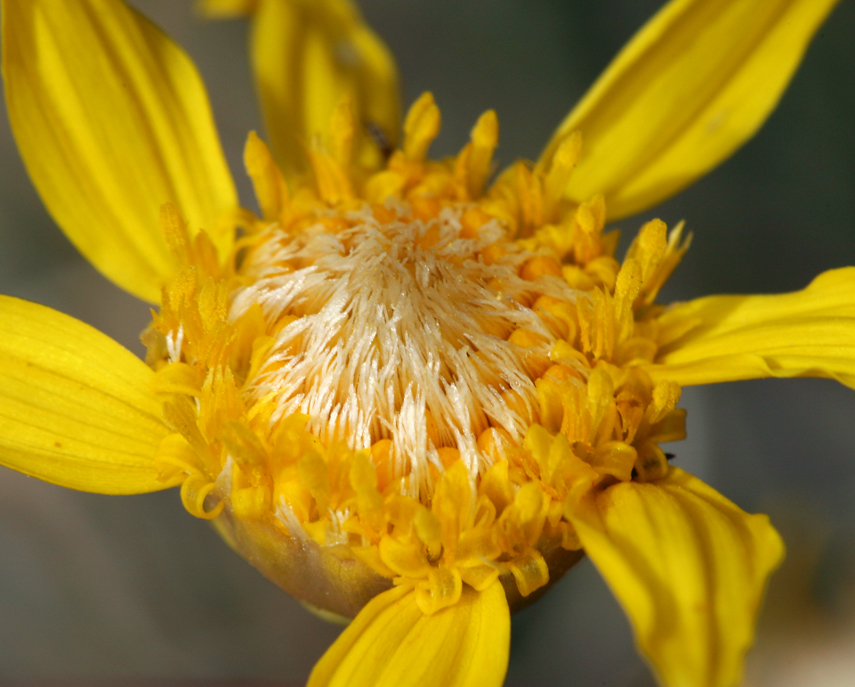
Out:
{"x": 105, "y": 590}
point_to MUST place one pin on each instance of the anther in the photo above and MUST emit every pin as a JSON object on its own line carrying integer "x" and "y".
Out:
{"x": 421, "y": 127}
{"x": 381, "y": 456}
{"x": 485, "y": 137}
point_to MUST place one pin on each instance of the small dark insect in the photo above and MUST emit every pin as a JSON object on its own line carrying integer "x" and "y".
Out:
{"x": 380, "y": 138}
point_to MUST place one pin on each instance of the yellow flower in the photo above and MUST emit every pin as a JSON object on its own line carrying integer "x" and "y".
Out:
{"x": 406, "y": 394}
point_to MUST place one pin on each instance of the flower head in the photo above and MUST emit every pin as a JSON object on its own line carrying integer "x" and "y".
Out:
{"x": 408, "y": 393}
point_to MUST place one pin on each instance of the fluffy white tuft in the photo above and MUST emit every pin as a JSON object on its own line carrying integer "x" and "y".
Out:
{"x": 388, "y": 330}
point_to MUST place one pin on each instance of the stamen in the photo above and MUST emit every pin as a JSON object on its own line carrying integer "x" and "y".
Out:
{"x": 561, "y": 168}
{"x": 485, "y": 138}
{"x": 270, "y": 187}
{"x": 421, "y": 127}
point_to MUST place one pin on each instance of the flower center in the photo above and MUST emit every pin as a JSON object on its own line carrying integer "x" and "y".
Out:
{"x": 412, "y": 336}
{"x": 397, "y": 378}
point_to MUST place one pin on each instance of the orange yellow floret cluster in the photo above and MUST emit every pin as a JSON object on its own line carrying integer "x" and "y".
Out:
{"x": 590, "y": 415}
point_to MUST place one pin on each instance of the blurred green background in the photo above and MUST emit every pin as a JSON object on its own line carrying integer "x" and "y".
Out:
{"x": 94, "y": 588}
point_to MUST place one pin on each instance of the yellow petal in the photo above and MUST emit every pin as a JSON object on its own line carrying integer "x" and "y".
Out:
{"x": 307, "y": 55}
{"x": 391, "y": 643}
{"x": 75, "y": 407}
{"x": 112, "y": 121}
{"x": 808, "y": 333}
{"x": 689, "y": 568}
{"x": 271, "y": 191}
{"x": 692, "y": 86}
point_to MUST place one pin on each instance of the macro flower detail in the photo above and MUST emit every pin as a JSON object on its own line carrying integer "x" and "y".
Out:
{"x": 409, "y": 393}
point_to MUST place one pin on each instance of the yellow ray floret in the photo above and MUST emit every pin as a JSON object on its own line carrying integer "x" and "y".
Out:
{"x": 393, "y": 643}
{"x": 689, "y": 568}
{"x": 692, "y": 86}
{"x": 307, "y": 55}
{"x": 75, "y": 407}
{"x": 724, "y": 338}
{"x": 112, "y": 121}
